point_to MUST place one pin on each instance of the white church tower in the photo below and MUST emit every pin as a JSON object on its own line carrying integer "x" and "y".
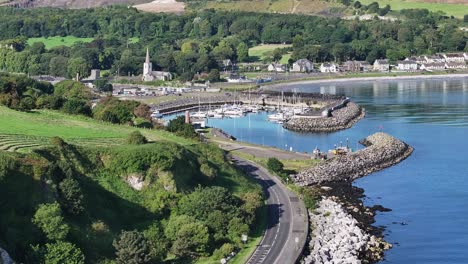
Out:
{"x": 147, "y": 66}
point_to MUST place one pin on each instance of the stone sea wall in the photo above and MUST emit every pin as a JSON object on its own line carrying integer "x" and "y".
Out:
{"x": 338, "y": 239}
{"x": 342, "y": 118}
{"x": 382, "y": 151}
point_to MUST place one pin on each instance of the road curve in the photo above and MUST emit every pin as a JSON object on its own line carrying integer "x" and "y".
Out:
{"x": 287, "y": 226}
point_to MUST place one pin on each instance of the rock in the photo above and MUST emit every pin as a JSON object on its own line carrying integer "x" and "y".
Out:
{"x": 325, "y": 188}
{"x": 5, "y": 258}
{"x": 382, "y": 151}
{"x": 342, "y": 118}
{"x": 136, "y": 181}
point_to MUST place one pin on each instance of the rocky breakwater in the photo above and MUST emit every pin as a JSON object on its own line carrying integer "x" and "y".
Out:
{"x": 337, "y": 237}
{"x": 382, "y": 151}
{"x": 342, "y": 118}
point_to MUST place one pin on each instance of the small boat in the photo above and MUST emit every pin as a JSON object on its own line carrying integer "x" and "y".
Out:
{"x": 198, "y": 115}
{"x": 276, "y": 117}
{"x": 156, "y": 114}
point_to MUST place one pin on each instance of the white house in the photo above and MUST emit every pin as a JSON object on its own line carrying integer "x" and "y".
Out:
{"x": 381, "y": 65}
{"x": 275, "y": 67}
{"x": 434, "y": 58}
{"x": 150, "y": 75}
{"x": 433, "y": 66}
{"x": 407, "y": 65}
{"x": 302, "y": 65}
{"x": 418, "y": 59}
{"x": 328, "y": 67}
{"x": 455, "y": 65}
{"x": 454, "y": 57}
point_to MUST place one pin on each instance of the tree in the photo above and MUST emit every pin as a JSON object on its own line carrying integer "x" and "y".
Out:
{"x": 58, "y": 66}
{"x": 48, "y": 218}
{"x": 191, "y": 240}
{"x": 213, "y": 76}
{"x": 76, "y": 107}
{"x": 78, "y": 65}
{"x": 132, "y": 248}
{"x": 103, "y": 86}
{"x": 465, "y": 18}
{"x": 62, "y": 252}
{"x": 357, "y": 5}
{"x": 71, "y": 196}
{"x": 136, "y": 138}
{"x": 274, "y": 165}
{"x": 158, "y": 243}
{"x": 178, "y": 126}
{"x": 242, "y": 52}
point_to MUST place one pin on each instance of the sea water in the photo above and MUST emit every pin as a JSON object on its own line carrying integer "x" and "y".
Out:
{"x": 428, "y": 192}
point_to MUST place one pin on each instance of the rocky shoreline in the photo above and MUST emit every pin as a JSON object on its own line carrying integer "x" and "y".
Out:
{"x": 341, "y": 118}
{"x": 382, "y": 151}
{"x": 337, "y": 237}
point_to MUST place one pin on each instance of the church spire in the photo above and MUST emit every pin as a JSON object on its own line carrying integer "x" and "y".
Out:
{"x": 147, "y": 55}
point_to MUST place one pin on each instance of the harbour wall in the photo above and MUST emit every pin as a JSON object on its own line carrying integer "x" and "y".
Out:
{"x": 382, "y": 151}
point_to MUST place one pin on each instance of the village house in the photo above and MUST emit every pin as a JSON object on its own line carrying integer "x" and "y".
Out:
{"x": 328, "y": 67}
{"x": 352, "y": 66}
{"x": 433, "y": 66}
{"x": 381, "y": 65}
{"x": 434, "y": 58}
{"x": 466, "y": 56}
{"x": 302, "y": 65}
{"x": 275, "y": 67}
{"x": 455, "y": 65}
{"x": 454, "y": 57}
{"x": 418, "y": 59}
{"x": 150, "y": 75}
{"x": 366, "y": 66}
{"x": 407, "y": 65}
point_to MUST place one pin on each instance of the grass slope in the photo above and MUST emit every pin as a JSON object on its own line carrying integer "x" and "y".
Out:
{"x": 261, "y": 51}
{"x": 77, "y": 129}
{"x": 457, "y": 10}
{"x": 51, "y": 42}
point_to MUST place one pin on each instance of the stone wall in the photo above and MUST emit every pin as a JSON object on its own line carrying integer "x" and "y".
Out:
{"x": 342, "y": 118}
{"x": 337, "y": 237}
{"x": 382, "y": 151}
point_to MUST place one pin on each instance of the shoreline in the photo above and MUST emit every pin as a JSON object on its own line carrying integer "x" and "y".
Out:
{"x": 338, "y": 79}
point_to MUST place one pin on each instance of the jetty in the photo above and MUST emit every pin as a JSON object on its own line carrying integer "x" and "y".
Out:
{"x": 382, "y": 151}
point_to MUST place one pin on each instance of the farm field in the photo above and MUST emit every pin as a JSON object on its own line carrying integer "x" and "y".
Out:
{"x": 68, "y": 41}
{"x": 51, "y": 42}
{"x": 261, "y": 51}
{"x": 277, "y": 6}
{"x": 162, "y": 6}
{"x": 457, "y": 10}
{"x": 21, "y": 131}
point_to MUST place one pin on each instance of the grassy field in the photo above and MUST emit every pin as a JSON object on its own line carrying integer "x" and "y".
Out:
{"x": 274, "y": 6}
{"x": 68, "y": 41}
{"x": 51, "y": 42}
{"x": 457, "y": 10}
{"x": 23, "y": 131}
{"x": 261, "y": 51}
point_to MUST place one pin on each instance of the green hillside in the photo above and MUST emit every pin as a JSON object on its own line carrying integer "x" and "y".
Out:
{"x": 96, "y": 159}
{"x": 457, "y": 10}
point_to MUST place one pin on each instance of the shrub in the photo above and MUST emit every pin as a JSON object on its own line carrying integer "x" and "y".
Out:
{"x": 62, "y": 252}
{"x": 136, "y": 138}
{"x": 274, "y": 165}
{"x": 178, "y": 126}
{"x": 48, "y": 218}
{"x": 57, "y": 141}
{"x": 132, "y": 248}
{"x": 76, "y": 107}
{"x": 71, "y": 196}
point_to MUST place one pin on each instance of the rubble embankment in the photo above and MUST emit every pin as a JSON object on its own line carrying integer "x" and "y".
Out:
{"x": 342, "y": 118}
{"x": 338, "y": 238}
{"x": 382, "y": 151}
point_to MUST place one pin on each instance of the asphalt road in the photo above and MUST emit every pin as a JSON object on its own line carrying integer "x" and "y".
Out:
{"x": 286, "y": 231}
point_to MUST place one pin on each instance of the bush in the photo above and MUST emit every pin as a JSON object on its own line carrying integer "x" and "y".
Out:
{"x": 76, "y": 107}
{"x": 274, "y": 165}
{"x": 180, "y": 128}
{"x": 136, "y": 138}
{"x": 63, "y": 253}
{"x": 132, "y": 248}
{"x": 48, "y": 218}
{"x": 71, "y": 196}
{"x": 58, "y": 142}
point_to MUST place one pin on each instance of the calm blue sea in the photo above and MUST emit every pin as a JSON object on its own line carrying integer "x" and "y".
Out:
{"x": 428, "y": 193}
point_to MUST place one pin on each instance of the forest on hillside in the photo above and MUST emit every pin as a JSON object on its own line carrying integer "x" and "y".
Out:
{"x": 197, "y": 42}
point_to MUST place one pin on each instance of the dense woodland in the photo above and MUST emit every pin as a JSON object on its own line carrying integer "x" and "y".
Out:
{"x": 198, "y": 41}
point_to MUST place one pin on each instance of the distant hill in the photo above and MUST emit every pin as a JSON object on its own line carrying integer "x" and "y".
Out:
{"x": 70, "y": 3}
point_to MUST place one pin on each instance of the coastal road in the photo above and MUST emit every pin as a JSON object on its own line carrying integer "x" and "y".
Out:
{"x": 287, "y": 225}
